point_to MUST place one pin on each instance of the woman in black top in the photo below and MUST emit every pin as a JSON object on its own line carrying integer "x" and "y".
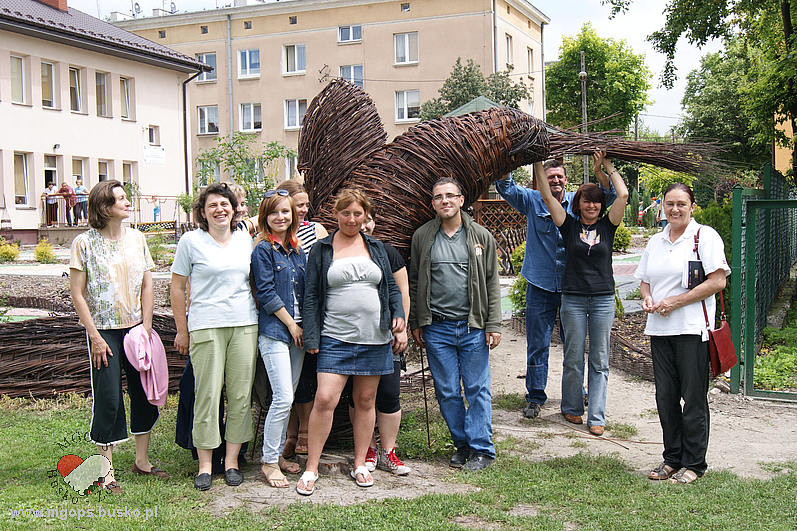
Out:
{"x": 587, "y": 289}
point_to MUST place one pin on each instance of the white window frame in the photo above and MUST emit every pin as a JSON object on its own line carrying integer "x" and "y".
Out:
{"x": 403, "y": 110}
{"x": 22, "y": 80}
{"x": 286, "y": 49}
{"x": 350, "y": 29}
{"x": 291, "y": 170}
{"x": 351, "y": 75}
{"x": 204, "y": 121}
{"x": 53, "y": 103}
{"x": 107, "y": 173}
{"x": 251, "y": 107}
{"x": 153, "y": 135}
{"x": 530, "y": 61}
{"x": 208, "y": 77}
{"x": 75, "y": 175}
{"x": 247, "y": 71}
{"x": 509, "y": 55}
{"x": 77, "y": 89}
{"x": 53, "y": 167}
{"x": 403, "y": 41}
{"x": 106, "y": 104}
{"x": 294, "y": 113}
{"x": 129, "y": 169}
{"x": 125, "y": 98}
{"x": 20, "y": 200}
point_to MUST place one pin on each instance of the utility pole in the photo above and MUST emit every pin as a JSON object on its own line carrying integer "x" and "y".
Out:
{"x": 583, "y": 77}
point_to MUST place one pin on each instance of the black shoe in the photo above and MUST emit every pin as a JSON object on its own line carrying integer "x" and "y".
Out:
{"x": 202, "y": 481}
{"x": 478, "y": 462}
{"x": 532, "y": 410}
{"x": 460, "y": 457}
{"x": 233, "y": 477}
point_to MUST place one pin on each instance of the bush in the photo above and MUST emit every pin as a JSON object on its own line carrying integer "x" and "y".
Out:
{"x": 156, "y": 247}
{"x": 8, "y": 251}
{"x": 44, "y": 252}
{"x": 622, "y": 238}
{"x": 517, "y": 257}
{"x": 517, "y": 295}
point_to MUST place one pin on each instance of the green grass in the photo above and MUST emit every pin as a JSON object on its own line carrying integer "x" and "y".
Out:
{"x": 621, "y": 431}
{"x": 509, "y": 401}
{"x": 583, "y": 491}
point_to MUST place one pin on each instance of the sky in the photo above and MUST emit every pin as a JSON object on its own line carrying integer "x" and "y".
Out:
{"x": 567, "y": 17}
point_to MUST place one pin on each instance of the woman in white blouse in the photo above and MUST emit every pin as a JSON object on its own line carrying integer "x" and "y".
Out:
{"x": 111, "y": 289}
{"x": 677, "y": 326}
{"x": 220, "y": 332}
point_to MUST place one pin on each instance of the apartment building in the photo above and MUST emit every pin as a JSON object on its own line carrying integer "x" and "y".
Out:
{"x": 270, "y": 59}
{"x": 82, "y": 98}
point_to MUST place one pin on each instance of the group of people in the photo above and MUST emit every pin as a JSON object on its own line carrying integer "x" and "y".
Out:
{"x": 324, "y": 311}
{"x": 76, "y": 200}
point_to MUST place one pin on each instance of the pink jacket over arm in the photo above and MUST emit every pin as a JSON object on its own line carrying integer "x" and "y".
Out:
{"x": 148, "y": 357}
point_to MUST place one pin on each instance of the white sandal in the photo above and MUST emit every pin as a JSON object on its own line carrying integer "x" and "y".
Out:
{"x": 361, "y": 470}
{"x": 307, "y": 476}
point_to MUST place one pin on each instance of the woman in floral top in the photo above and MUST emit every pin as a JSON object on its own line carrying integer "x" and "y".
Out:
{"x": 111, "y": 289}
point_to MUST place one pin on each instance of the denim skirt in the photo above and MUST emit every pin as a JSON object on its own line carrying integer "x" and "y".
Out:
{"x": 339, "y": 357}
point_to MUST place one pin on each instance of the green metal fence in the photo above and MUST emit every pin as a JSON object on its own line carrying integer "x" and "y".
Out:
{"x": 764, "y": 250}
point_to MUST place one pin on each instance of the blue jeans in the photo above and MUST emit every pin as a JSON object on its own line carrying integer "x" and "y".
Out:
{"x": 581, "y": 314}
{"x": 541, "y": 306}
{"x": 283, "y": 365}
{"x": 455, "y": 353}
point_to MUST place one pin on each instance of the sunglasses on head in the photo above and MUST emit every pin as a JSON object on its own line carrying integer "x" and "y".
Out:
{"x": 272, "y": 193}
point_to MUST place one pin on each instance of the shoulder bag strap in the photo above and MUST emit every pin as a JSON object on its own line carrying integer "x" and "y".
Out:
{"x": 702, "y": 302}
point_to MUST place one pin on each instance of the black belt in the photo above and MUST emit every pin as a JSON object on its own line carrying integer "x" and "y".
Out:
{"x": 440, "y": 317}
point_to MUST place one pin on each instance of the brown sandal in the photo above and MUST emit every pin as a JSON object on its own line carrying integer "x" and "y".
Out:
{"x": 661, "y": 472}
{"x": 274, "y": 475}
{"x": 289, "y": 467}
{"x": 301, "y": 444}
{"x": 684, "y": 476}
{"x": 289, "y": 450}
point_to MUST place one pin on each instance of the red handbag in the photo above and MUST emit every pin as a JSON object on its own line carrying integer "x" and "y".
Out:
{"x": 721, "y": 352}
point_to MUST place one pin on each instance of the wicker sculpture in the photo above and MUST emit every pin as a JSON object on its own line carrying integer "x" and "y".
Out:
{"x": 342, "y": 144}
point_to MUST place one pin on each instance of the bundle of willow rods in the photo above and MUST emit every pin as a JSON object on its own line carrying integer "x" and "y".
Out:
{"x": 342, "y": 144}
{"x": 40, "y": 357}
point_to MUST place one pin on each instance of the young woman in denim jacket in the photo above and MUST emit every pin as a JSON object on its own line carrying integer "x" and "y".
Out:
{"x": 278, "y": 264}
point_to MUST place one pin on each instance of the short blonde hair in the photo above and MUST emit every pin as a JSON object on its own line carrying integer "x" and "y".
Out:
{"x": 347, "y": 196}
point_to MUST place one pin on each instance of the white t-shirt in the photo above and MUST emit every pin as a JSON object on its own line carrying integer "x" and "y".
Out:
{"x": 662, "y": 266}
{"x": 220, "y": 292}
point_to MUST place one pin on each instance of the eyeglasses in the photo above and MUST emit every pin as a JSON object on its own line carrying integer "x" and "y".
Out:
{"x": 449, "y": 197}
{"x": 272, "y": 193}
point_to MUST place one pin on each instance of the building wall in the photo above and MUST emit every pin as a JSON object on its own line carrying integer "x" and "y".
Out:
{"x": 446, "y": 30}
{"x": 38, "y": 131}
{"x": 783, "y": 155}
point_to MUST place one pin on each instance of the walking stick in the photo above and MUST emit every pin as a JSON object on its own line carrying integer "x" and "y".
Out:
{"x": 425, "y": 401}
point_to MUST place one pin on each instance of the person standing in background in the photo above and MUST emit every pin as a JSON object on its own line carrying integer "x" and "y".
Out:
{"x": 82, "y": 201}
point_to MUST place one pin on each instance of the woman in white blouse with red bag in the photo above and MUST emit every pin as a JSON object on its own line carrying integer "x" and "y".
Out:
{"x": 677, "y": 326}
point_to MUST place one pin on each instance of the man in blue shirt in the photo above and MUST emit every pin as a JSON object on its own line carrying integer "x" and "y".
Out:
{"x": 543, "y": 266}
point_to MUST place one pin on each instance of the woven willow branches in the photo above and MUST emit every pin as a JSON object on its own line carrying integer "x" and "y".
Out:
{"x": 342, "y": 144}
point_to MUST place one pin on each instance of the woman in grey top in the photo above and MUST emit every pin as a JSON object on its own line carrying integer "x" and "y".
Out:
{"x": 352, "y": 311}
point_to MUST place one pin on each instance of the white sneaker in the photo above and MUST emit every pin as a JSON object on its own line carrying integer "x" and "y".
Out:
{"x": 370, "y": 459}
{"x": 390, "y": 462}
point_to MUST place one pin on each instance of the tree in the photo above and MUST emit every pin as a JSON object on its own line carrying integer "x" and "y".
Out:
{"x": 714, "y": 105}
{"x": 766, "y": 28}
{"x": 656, "y": 180}
{"x": 467, "y": 82}
{"x": 246, "y": 161}
{"x": 617, "y": 82}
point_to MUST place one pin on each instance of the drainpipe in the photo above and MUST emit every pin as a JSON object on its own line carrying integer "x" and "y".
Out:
{"x": 495, "y": 38}
{"x": 185, "y": 132}
{"x": 229, "y": 74}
